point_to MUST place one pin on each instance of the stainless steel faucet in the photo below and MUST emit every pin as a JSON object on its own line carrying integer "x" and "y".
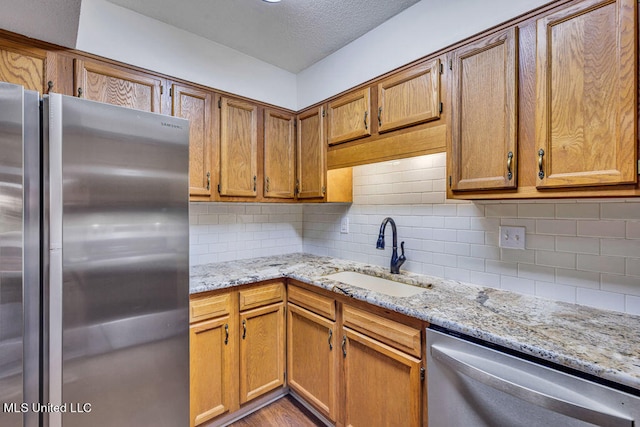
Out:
{"x": 396, "y": 261}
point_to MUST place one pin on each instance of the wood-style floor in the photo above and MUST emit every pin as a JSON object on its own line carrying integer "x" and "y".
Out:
{"x": 284, "y": 412}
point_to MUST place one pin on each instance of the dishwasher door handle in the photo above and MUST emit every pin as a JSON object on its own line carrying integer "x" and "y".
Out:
{"x": 463, "y": 362}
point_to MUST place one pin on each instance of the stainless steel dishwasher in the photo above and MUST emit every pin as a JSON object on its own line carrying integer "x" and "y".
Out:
{"x": 471, "y": 385}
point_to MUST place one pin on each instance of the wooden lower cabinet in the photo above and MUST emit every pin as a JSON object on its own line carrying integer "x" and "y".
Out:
{"x": 312, "y": 352}
{"x": 211, "y": 369}
{"x": 262, "y": 351}
{"x": 356, "y": 367}
{"x": 382, "y": 385}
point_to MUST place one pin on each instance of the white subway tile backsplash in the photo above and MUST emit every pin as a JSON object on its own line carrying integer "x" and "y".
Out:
{"x": 581, "y": 251}
{"x": 600, "y": 299}
{"x": 604, "y": 264}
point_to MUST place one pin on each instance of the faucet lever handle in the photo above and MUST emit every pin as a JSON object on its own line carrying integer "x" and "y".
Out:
{"x": 402, "y": 257}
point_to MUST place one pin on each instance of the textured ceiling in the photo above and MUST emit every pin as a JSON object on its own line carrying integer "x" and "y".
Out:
{"x": 292, "y": 34}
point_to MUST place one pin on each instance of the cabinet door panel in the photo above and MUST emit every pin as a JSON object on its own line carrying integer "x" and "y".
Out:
{"x": 262, "y": 351}
{"x": 484, "y": 114}
{"x": 22, "y": 66}
{"x": 349, "y": 117}
{"x": 312, "y": 359}
{"x": 195, "y": 105}
{"x": 410, "y": 97}
{"x": 211, "y": 359}
{"x": 238, "y": 148}
{"x": 382, "y": 384}
{"x": 586, "y": 110}
{"x": 311, "y": 154}
{"x": 279, "y": 155}
{"x": 117, "y": 86}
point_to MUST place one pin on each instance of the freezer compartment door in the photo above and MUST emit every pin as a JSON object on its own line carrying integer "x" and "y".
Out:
{"x": 119, "y": 265}
{"x": 19, "y": 254}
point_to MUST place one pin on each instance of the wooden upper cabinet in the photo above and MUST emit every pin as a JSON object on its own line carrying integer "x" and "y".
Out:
{"x": 350, "y": 116}
{"x": 196, "y": 106}
{"x": 311, "y": 154}
{"x": 409, "y": 97}
{"x": 279, "y": 154}
{"x": 484, "y": 113}
{"x": 118, "y": 86}
{"x": 238, "y": 148}
{"x": 22, "y": 65}
{"x": 586, "y": 109}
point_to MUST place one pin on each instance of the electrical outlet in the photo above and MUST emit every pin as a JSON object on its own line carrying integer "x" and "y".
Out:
{"x": 512, "y": 237}
{"x": 344, "y": 225}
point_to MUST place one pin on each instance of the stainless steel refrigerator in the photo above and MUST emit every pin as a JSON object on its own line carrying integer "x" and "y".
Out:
{"x": 93, "y": 264}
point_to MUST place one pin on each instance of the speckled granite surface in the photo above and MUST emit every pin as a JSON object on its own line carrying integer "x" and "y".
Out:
{"x": 603, "y": 343}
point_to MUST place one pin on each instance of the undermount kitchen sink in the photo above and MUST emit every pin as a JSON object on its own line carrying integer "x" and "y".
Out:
{"x": 376, "y": 284}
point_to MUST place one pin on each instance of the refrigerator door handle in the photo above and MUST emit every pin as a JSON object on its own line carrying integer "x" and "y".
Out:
{"x": 55, "y": 257}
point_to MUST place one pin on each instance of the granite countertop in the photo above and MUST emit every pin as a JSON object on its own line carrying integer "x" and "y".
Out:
{"x": 599, "y": 342}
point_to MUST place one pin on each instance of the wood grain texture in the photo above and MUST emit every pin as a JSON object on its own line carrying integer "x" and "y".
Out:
{"x": 210, "y": 369}
{"x": 484, "y": 113}
{"x": 311, "y": 153}
{"x": 238, "y": 148}
{"x": 340, "y": 185}
{"x": 22, "y": 66}
{"x": 382, "y": 384}
{"x": 312, "y": 359}
{"x": 350, "y": 116}
{"x": 429, "y": 138}
{"x": 409, "y": 97}
{"x": 397, "y": 335}
{"x": 586, "y": 109}
{"x": 196, "y": 106}
{"x": 284, "y": 412}
{"x": 203, "y": 308}
{"x": 116, "y": 85}
{"x": 279, "y": 154}
{"x": 258, "y": 296}
{"x": 319, "y": 304}
{"x": 262, "y": 350}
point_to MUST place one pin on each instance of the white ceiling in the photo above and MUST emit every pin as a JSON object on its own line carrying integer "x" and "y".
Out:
{"x": 292, "y": 34}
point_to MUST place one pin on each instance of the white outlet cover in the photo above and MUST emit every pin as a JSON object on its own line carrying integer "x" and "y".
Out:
{"x": 344, "y": 225}
{"x": 512, "y": 237}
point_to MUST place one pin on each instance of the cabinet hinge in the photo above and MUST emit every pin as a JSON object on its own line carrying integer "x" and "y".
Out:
{"x": 161, "y": 89}
{"x": 218, "y": 188}
{"x": 422, "y": 374}
{"x": 441, "y": 106}
{"x": 451, "y": 64}
{"x": 449, "y": 180}
{"x": 219, "y": 102}
{"x": 638, "y": 167}
{"x": 441, "y": 68}
{"x": 171, "y": 92}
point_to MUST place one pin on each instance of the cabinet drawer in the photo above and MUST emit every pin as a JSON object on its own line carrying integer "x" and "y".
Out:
{"x": 209, "y": 307}
{"x": 261, "y": 295}
{"x": 313, "y": 302}
{"x": 397, "y": 335}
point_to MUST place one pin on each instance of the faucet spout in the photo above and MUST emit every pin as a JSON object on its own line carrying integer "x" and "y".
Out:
{"x": 396, "y": 261}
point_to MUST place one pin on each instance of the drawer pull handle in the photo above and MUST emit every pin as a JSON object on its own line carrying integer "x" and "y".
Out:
{"x": 344, "y": 346}
{"x": 244, "y": 328}
{"x": 330, "y": 339}
{"x": 366, "y": 127}
{"x": 379, "y": 116}
{"x": 509, "y": 162}
{"x": 226, "y": 334}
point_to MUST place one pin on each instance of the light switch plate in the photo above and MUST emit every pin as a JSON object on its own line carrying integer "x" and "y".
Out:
{"x": 344, "y": 225}
{"x": 512, "y": 237}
